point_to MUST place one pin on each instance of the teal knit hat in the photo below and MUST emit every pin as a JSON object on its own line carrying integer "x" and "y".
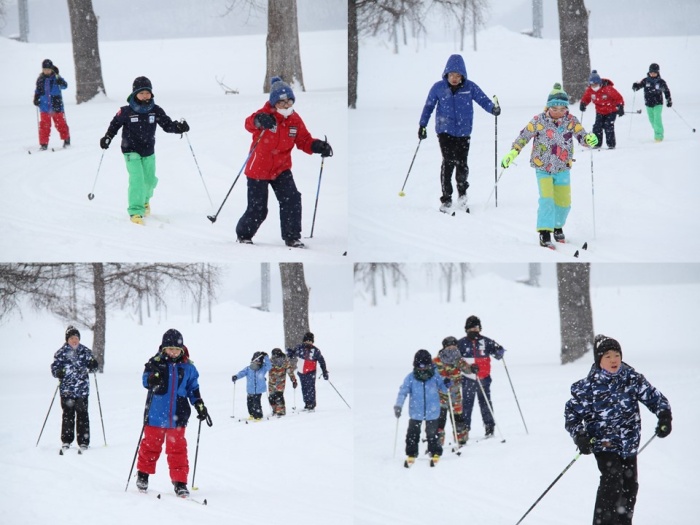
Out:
{"x": 557, "y": 97}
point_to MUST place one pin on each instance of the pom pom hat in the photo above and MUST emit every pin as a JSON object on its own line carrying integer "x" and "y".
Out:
{"x": 557, "y": 97}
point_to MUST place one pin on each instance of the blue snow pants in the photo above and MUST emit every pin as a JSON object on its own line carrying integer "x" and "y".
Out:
{"x": 308, "y": 388}
{"x": 555, "y": 199}
{"x": 470, "y": 389}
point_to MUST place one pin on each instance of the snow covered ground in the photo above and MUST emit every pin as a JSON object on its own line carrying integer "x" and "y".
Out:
{"x": 45, "y": 211}
{"x": 642, "y": 195}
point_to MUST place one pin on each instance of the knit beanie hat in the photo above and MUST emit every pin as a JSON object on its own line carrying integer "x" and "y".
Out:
{"x": 472, "y": 322}
{"x": 557, "y": 97}
{"x": 603, "y": 344}
{"x": 172, "y": 338}
{"x": 422, "y": 359}
{"x": 277, "y": 352}
{"x": 47, "y": 64}
{"x": 654, "y": 68}
{"x": 449, "y": 341}
{"x": 71, "y": 331}
{"x": 308, "y": 337}
{"x": 280, "y": 90}
{"x": 594, "y": 78}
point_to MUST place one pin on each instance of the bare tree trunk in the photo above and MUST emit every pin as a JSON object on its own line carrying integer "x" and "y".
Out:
{"x": 573, "y": 45}
{"x": 86, "y": 50}
{"x": 99, "y": 329}
{"x": 283, "y": 53}
{"x": 295, "y": 303}
{"x": 575, "y": 311}
{"x": 353, "y": 54}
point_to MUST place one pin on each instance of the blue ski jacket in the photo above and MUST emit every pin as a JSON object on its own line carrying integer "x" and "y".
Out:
{"x": 424, "y": 401}
{"x": 75, "y": 365}
{"x": 255, "y": 379}
{"x": 455, "y": 110}
{"x": 48, "y": 90}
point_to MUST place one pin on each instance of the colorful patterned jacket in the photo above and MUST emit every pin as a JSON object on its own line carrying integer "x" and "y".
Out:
{"x": 480, "y": 350}
{"x": 552, "y": 141}
{"x": 606, "y": 407}
{"x": 75, "y": 364}
{"x": 454, "y": 374}
{"x": 277, "y": 378}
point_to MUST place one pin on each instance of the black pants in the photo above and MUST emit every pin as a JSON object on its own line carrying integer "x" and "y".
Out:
{"x": 454, "y": 158}
{"x": 73, "y": 407}
{"x": 413, "y": 437}
{"x": 290, "y": 207}
{"x": 254, "y": 406}
{"x": 605, "y": 123}
{"x": 277, "y": 403}
{"x": 617, "y": 492}
{"x": 308, "y": 388}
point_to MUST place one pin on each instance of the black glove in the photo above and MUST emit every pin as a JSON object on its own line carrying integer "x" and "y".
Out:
{"x": 663, "y": 429}
{"x": 182, "y": 127}
{"x": 93, "y": 365}
{"x": 636, "y": 86}
{"x": 36, "y": 100}
{"x": 422, "y": 133}
{"x": 322, "y": 147}
{"x": 61, "y": 373}
{"x": 669, "y": 104}
{"x": 104, "y": 141}
{"x": 397, "y": 411}
{"x": 475, "y": 368}
{"x": 583, "y": 442}
{"x": 154, "y": 381}
{"x": 325, "y": 375}
{"x": 264, "y": 121}
{"x": 234, "y": 378}
{"x": 55, "y": 70}
{"x": 621, "y": 110}
{"x": 448, "y": 382}
{"x": 202, "y": 413}
{"x": 294, "y": 384}
{"x": 582, "y": 107}
{"x": 496, "y": 111}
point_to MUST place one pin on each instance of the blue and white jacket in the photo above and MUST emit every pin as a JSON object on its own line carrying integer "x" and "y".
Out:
{"x": 76, "y": 365}
{"x": 255, "y": 379}
{"x": 424, "y": 401}
{"x": 606, "y": 407}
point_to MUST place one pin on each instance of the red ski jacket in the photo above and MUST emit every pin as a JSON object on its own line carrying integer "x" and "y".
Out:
{"x": 606, "y": 99}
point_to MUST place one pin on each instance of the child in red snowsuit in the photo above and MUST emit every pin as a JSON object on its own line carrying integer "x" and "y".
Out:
{"x": 48, "y": 98}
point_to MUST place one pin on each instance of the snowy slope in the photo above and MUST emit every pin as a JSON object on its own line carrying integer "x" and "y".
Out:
{"x": 46, "y": 215}
{"x": 642, "y": 194}
{"x": 496, "y": 483}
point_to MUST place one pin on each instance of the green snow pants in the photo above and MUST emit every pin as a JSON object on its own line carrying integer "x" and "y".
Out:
{"x": 142, "y": 181}
{"x": 654, "y": 114}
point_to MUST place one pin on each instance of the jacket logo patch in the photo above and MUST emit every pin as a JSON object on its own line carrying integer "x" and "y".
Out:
{"x": 292, "y": 131}
{"x": 151, "y": 119}
{"x": 134, "y": 119}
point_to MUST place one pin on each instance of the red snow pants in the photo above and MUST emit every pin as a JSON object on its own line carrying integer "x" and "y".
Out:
{"x": 175, "y": 449}
{"x": 59, "y": 120}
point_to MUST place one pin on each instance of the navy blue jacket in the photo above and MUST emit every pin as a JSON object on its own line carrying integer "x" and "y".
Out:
{"x": 48, "y": 90}
{"x": 654, "y": 90}
{"x": 75, "y": 364}
{"x": 310, "y": 355}
{"x": 138, "y": 125}
{"x": 455, "y": 110}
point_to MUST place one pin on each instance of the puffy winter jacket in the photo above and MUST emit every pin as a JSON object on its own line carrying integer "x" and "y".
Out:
{"x": 310, "y": 355}
{"x": 75, "y": 365}
{"x": 455, "y": 110}
{"x": 606, "y": 407}
{"x": 424, "y": 402}
{"x": 255, "y": 379}
{"x": 480, "y": 350}
{"x": 606, "y": 99}
{"x": 654, "y": 90}
{"x": 179, "y": 382}
{"x": 48, "y": 90}
{"x": 273, "y": 154}
{"x": 138, "y": 124}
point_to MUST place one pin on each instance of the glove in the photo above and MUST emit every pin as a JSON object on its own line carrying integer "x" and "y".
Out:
{"x": 55, "y": 70}
{"x": 582, "y": 107}
{"x": 104, "y": 141}
{"x": 583, "y": 442}
{"x": 591, "y": 140}
{"x": 510, "y": 157}
{"x": 182, "y": 127}
{"x": 422, "y": 133}
{"x": 669, "y": 104}
{"x": 397, "y": 411}
{"x": 620, "y": 110}
{"x": 322, "y": 147}
{"x": 448, "y": 383}
{"x": 202, "y": 413}
{"x": 61, "y": 373}
{"x": 325, "y": 375}
{"x": 496, "y": 111}
{"x": 234, "y": 378}
{"x": 264, "y": 121}
{"x": 475, "y": 368}
{"x": 294, "y": 384}
{"x": 663, "y": 429}
{"x": 36, "y": 100}
{"x": 93, "y": 365}
{"x": 636, "y": 86}
{"x": 154, "y": 381}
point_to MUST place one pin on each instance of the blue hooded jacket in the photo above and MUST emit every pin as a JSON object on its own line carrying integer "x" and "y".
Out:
{"x": 424, "y": 402}
{"x": 455, "y": 111}
{"x": 48, "y": 89}
{"x": 76, "y": 364}
{"x": 255, "y": 379}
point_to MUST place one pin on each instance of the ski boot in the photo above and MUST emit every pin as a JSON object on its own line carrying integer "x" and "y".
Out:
{"x": 446, "y": 207}
{"x": 137, "y": 219}
{"x": 559, "y": 235}
{"x": 243, "y": 240}
{"x": 181, "y": 489}
{"x": 546, "y": 240}
{"x": 410, "y": 460}
{"x": 295, "y": 243}
{"x": 146, "y": 210}
{"x": 434, "y": 460}
{"x": 141, "y": 481}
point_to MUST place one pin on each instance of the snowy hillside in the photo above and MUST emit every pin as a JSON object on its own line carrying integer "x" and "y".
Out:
{"x": 636, "y": 203}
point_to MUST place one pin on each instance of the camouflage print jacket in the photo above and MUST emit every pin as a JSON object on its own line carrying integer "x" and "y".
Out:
{"x": 74, "y": 365}
{"x": 276, "y": 378}
{"x": 454, "y": 374}
{"x": 606, "y": 407}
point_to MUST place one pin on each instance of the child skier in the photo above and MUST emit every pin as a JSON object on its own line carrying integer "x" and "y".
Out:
{"x": 271, "y": 164}
{"x": 424, "y": 387}
{"x": 609, "y": 105}
{"x": 454, "y": 96}
{"x": 655, "y": 88}
{"x": 310, "y": 355}
{"x": 552, "y": 133}
{"x": 256, "y": 384}
{"x": 71, "y": 365}
{"x": 603, "y": 418}
{"x": 172, "y": 381}
{"x": 277, "y": 380}
{"x": 138, "y": 122}
{"x": 49, "y": 100}
{"x": 481, "y": 349}
{"x": 451, "y": 366}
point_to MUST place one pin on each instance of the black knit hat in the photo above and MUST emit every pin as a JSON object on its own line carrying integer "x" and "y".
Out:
{"x": 603, "y": 344}
{"x": 654, "y": 68}
{"x": 422, "y": 359}
{"x": 71, "y": 331}
{"x": 472, "y": 322}
{"x": 449, "y": 341}
{"x": 277, "y": 352}
{"x": 47, "y": 64}
{"x": 308, "y": 337}
{"x": 172, "y": 338}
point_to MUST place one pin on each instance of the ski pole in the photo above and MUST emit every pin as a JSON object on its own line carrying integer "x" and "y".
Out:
{"x": 336, "y": 391}
{"x": 233, "y": 407}
{"x": 143, "y": 428}
{"x": 200, "y": 171}
{"x": 91, "y": 195}
{"x": 495, "y": 150}
{"x": 647, "y": 443}
{"x": 488, "y": 404}
{"x": 318, "y": 190}
{"x": 47, "y": 415}
{"x": 494, "y": 189}
{"x": 213, "y": 218}
{"x": 38, "y": 125}
{"x": 593, "y": 193}
{"x": 452, "y": 418}
{"x": 633, "y": 99}
{"x": 401, "y": 193}
{"x": 294, "y": 407}
{"x": 550, "y": 486}
{"x": 100, "y": 405}
{"x": 503, "y": 359}
{"x": 684, "y": 122}
{"x": 396, "y": 436}
{"x": 196, "y": 453}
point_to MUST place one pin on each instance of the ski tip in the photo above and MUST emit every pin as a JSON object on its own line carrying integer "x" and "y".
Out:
{"x": 345, "y": 253}
{"x": 158, "y": 496}
{"x": 204, "y": 502}
{"x": 453, "y": 213}
{"x": 503, "y": 441}
{"x": 585, "y": 246}
{"x": 576, "y": 254}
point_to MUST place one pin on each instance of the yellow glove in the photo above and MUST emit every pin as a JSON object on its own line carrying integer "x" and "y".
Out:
{"x": 510, "y": 158}
{"x": 591, "y": 140}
